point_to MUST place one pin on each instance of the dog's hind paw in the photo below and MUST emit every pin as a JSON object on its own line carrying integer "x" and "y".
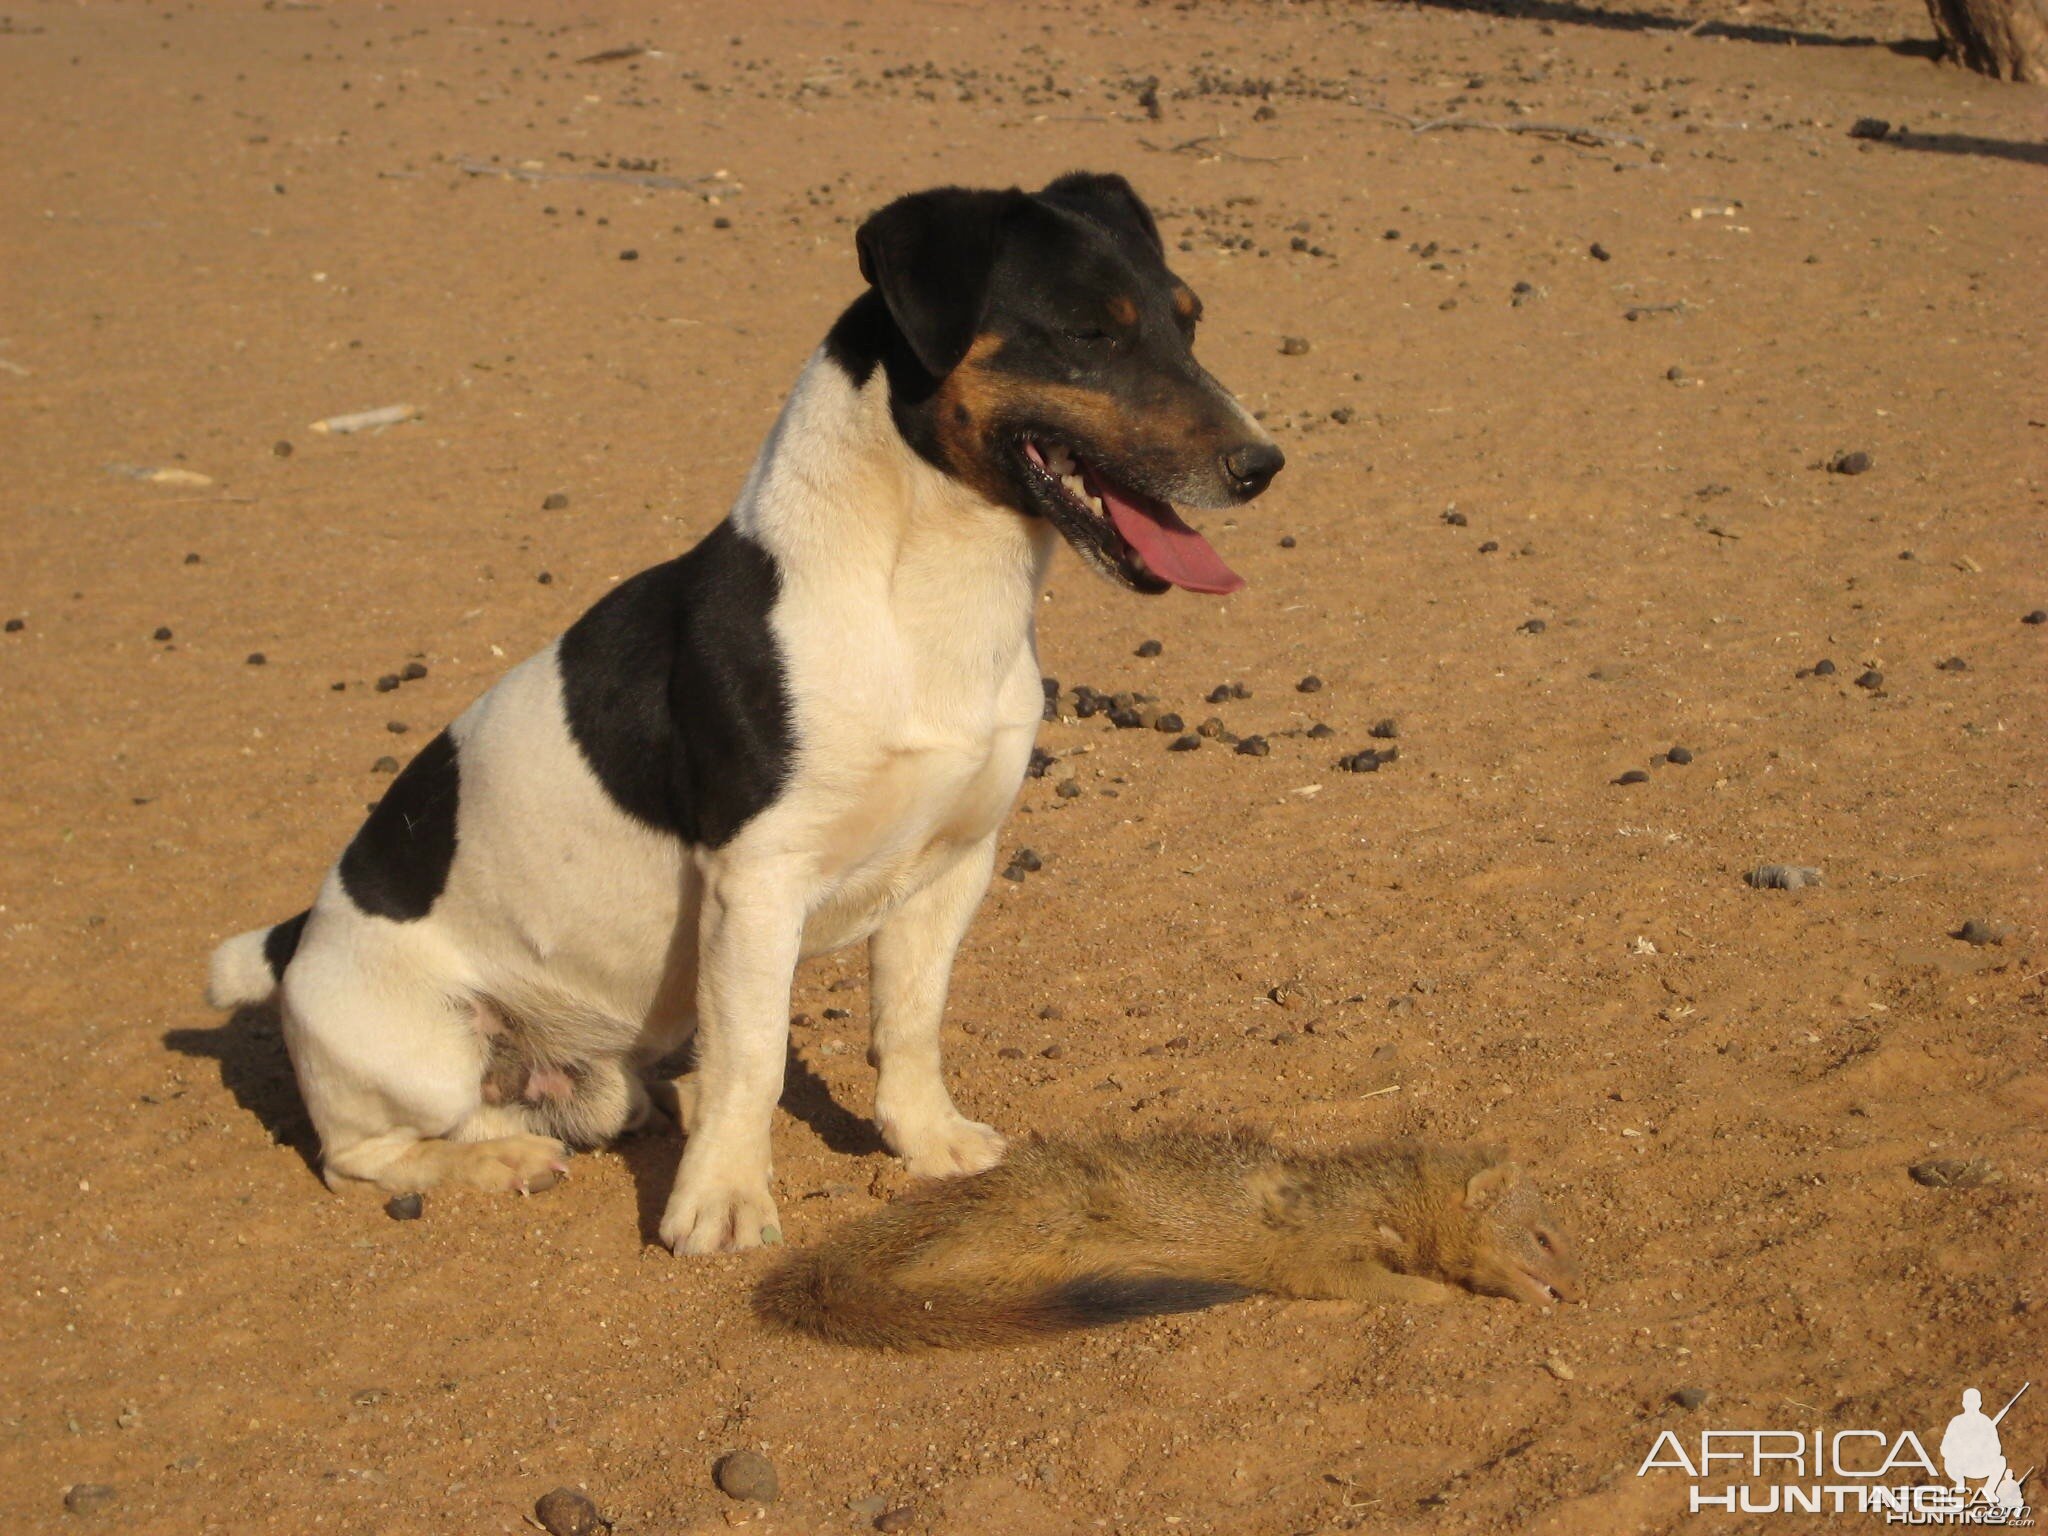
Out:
{"x": 954, "y": 1147}
{"x": 521, "y": 1165}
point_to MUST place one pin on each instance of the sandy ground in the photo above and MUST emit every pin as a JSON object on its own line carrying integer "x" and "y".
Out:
{"x": 219, "y": 223}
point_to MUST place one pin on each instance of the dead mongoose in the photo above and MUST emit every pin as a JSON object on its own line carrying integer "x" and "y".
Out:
{"x": 1074, "y": 1234}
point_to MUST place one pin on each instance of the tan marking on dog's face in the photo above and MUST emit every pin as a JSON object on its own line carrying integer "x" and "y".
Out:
{"x": 1185, "y": 304}
{"x": 1123, "y": 309}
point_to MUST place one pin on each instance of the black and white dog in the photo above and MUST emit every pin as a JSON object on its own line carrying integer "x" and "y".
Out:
{"x": 803, "y": 733}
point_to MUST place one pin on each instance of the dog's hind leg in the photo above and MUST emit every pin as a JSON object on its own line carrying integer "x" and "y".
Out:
{"x": 392, "y": 1071}
{"x": 910, "y": 966}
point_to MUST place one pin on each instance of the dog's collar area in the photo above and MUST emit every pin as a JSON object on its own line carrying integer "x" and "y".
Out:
{"x": 1149, "y": 543}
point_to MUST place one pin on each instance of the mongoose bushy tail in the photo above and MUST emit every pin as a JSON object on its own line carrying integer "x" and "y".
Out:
{"x": 1077, "y": 1234}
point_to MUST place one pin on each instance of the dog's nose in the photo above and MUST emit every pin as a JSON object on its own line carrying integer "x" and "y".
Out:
{"x": 1252, "y": 467}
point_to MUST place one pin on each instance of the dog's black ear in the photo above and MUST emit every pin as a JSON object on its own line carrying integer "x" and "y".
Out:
{"x": 930, "y": 256}
{"x": 1111, "y": 202}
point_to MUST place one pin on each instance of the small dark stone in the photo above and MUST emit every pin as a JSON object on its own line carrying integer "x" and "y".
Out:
{"x": 1287, "y": 541}
{"x": 1053, "y": 1052}
{"x": 1309, "y": 684}
{"x": 406, "y": 1207}
{"x": 546, "y": 578}
{"x": 1531, "y": 627}
{"x": 629, "y": 255}
{"x": 1220, "y": 694}
{"x": 1691, "y": 1398}
{"x": 257, "y": 659}
{"x": 1239, "y": 691}
{"x": 281, "y": 448}
{"x": 1342, "y": 415}
{"x": 721, "y": 222}
{"x": 1678, "y": 755}
{"x": 1293, "y": 346}
{"x": 1634, "y": 776}
{"x": 1392, "y": 234}
{"x": 554, "y": 501}
{"x": 747, "y": 1475}
{"x": 568, "y": 1512}
{"x": 163, "y": 632}
{"x": 1851, "y": 463}
{"x": 1253, "y": 746}
{"x": 2038, "y": 616}
{"x": 1455, "y": 518}
{"x": 1169, "y": 723}
{"x": 1385, "y": 730}
{"x": 1782, "y": 877}
{"x": 16, "y": 626}
{"x": 1126, "y": 719}
{"x": 1184, "y": 744}
{"x": 1953, "y": 664}
{"x": 1489, "y": 547}
{"x": 193, "y": 558}
{"x": 1027, "y": 860}
{"x": 1068, "y": 789}
{"x": 1265, "y": 114}
{"x": 387, "y": 683}
{"x": 1367, "y": 761}
{"x": 904, "y": 1516}
{"x": 838, "y": 1013}
{"x": 1823, "y": 668}
{"x": 385, "y": 765}
{"x": 412, "y": 671}
{"x": 1148, "y": 648}
{"x": 1600, "y": 252}
{"x": 1041, "y": 761}
{"x": 1320, "y": 732}
{"x": 396, "y": 727}
{"x": 89, "y": 1498}
{"x": 1871, "y": 679}
{"x": 1869, "y": 128}
{"x": 1010, "y": 1053}
{"x": 1978, "y": 930}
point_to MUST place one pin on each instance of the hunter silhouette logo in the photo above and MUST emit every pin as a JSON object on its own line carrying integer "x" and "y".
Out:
{"x": 1846, "y": 1471}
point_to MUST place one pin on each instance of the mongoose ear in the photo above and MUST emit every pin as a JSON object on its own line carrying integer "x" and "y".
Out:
{"x": 1490, "y": 1183}
{"x": 930, "y": 255}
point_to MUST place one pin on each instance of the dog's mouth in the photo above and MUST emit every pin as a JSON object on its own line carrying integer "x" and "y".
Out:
{"x": 1128, "y": 535}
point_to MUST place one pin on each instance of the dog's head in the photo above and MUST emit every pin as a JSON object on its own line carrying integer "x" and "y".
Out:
{"x": 1040, "y": 351}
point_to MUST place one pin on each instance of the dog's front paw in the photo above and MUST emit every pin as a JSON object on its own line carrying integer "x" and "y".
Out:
{"x": 715, "y": 1215}
{"x": 952, "y": 1147}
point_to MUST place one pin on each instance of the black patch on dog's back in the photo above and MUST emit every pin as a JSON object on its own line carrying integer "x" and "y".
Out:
{"x": 675, "y": 691}
{"x": 282, "y": 942}
{"x": 397, "y": 865}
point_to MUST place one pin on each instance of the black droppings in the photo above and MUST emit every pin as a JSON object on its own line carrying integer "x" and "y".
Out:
{"x": 406, "y": 1207}
{"x": 1148, "y": 648}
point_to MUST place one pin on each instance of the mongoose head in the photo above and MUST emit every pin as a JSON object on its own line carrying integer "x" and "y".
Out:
{"x": 1510, "y": 1246}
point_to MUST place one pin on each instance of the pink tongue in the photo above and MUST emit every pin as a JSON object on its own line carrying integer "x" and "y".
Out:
{"x": 1173, "y": 550}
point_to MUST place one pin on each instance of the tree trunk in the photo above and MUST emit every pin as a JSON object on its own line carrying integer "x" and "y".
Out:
{"x": 2007, "y": 39}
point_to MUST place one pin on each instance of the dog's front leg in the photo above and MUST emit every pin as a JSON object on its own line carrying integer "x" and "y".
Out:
{"x": 749, "y": 934}
{"x": 910, "y": 965}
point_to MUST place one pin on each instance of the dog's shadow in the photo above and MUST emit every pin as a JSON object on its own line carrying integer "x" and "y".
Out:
{"x": 255, "y": 1068}
{"x": 651, "y": 1155}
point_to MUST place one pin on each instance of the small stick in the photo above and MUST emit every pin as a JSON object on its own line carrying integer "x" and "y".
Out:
{"x": 624, "y": 178}
{"x": 1567, "y": 131}
{"x": 363, "y": 421}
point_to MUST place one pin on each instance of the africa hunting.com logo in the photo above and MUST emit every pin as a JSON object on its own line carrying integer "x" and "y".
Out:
{"x": 1849, "y": 1471}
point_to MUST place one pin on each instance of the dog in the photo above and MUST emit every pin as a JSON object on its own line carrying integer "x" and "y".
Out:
{"x": 803, "y": 733}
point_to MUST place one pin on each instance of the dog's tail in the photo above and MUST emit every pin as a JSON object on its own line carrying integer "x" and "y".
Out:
{"x": 831, "y": 1294}
{"x": 248, "y": 967}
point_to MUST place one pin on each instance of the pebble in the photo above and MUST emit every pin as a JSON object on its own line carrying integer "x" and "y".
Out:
{"x": 1342, "y": 416}
{"x": 1869, "y": 128}
{"x": 1188, "y": 743}
{"x": 1040, "y": 764}
{"x": 1254, "y": 746}
{"x": 193, "y": 558}
{"x": 88, "y": 1498}
{"x": 1126, "y": 719}
{"x": 901, "y": 1518}
{"x": 1600, "y": 252}
{"x": 1170, "y": 723}
{"x": 406, "y": 1207}
{"x": 1823, "y": 668}
{"x": 1367, "y": 761}
{"x": 1531, "y": 627}
{"x": 1634, "y": 776}
{"x": 163, "y": 632}
{"x": 1293, "y": 346}
{"x": 1691, "y": 1398}
{"x": 385, "y": 765}
{"x": 396, "y": 727}
{"x": 1489, "y": 547}
{"x": 1679, "y": 756}
{"x": 412, "y": 672}
{"x": 387, "y": 683}
{"x": 1010, "y": 1053}
{"x": 257, "y": 659}
{"x": 1068, "y": 789}
{"x": 1321, "y": 732}
{"x": 1148, "y": 648}
{"x": 1559, "y": 1369}
{"x": 629, "y": 255}
{"x": 1871, "y": 679}
{"x": 1782, "y": 877}
{"x": 1287, "y": 541}
{"x": 2038, "y": 616}
{"x": 747, "y": 1475}
{"x": 1385, "y": 730}
{"x": 1979, "y": 930}
{"x": 1309, "y": 684}
{"x": 567, "y": 1512}
{"x": 16, "y": 626}
{"x": 1456, "y": 519}
{"x": 1212, "y": 728}
{"x": 1952, "y": 664}
{"x": 281, "y": 448}
{"x": 1054, "y": 1052}
{"x": 1855, "y": 463}
{"x": 1954, "y": 1173}
{"x": 546, "y": 578}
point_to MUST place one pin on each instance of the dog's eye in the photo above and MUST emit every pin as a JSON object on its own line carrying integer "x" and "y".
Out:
{"x": 1089, "y": 333}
